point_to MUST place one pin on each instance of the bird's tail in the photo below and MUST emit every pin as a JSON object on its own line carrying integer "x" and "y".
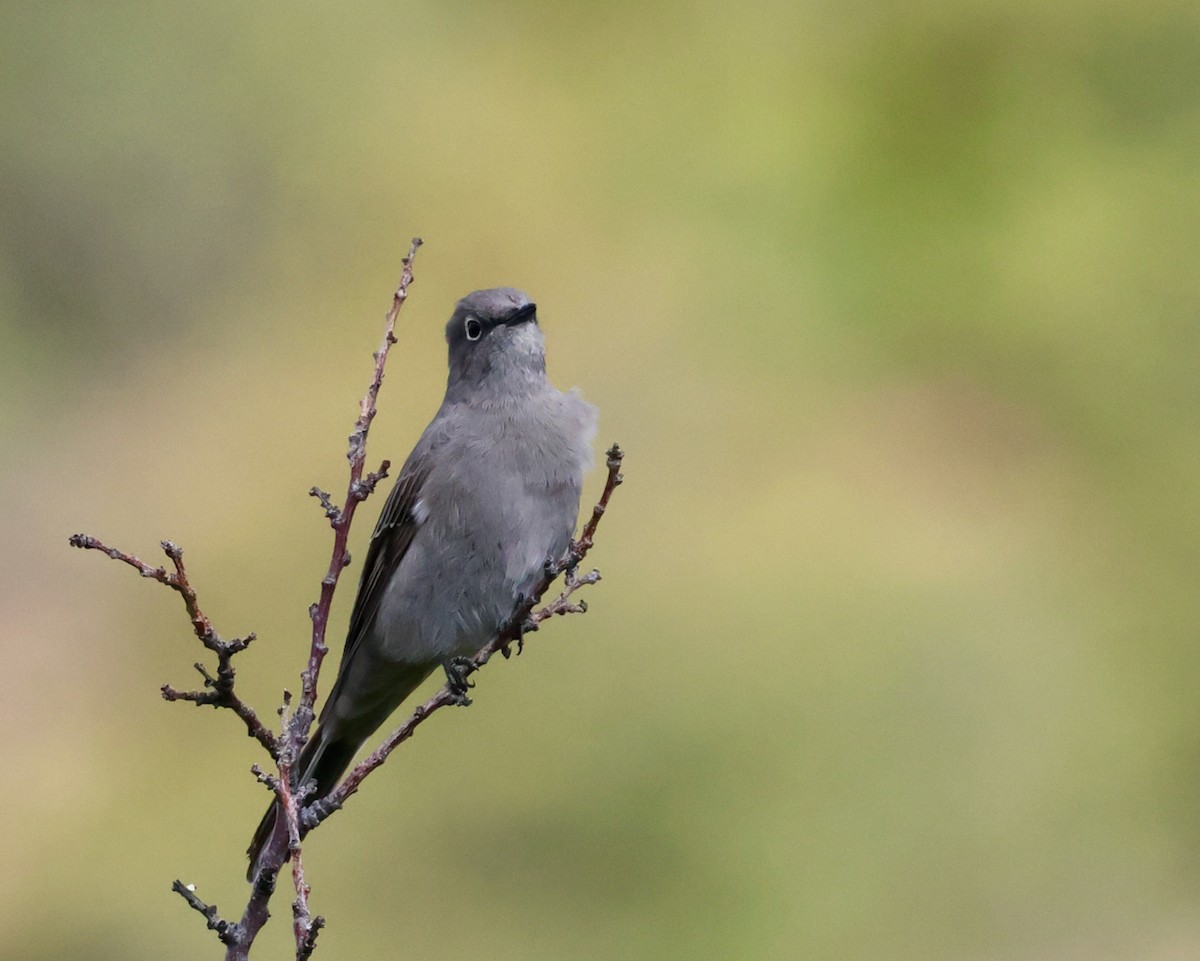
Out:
{"x": 338, "y": 738}
{"x": 323, "y": 759}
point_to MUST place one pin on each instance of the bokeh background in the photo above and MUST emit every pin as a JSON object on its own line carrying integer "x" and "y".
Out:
{"x": 896, "y": 309}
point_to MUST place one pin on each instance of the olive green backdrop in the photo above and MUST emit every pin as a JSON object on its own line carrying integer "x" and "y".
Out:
{"x": 896, "y": 308}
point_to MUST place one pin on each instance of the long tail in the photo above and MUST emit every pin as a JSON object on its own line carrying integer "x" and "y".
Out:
{"x": 327, "y": 755}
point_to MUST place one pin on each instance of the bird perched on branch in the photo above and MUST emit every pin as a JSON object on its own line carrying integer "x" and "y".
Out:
{"x": 488, "y": 496}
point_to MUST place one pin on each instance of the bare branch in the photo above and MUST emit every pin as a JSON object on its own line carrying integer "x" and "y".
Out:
{"x": 309, "y": 941}
{"x": 332, "y": 511}
{"x": 219, "y": 691}
{"x": 227, "y": 931}
{"x": 304, "y": 926}
{"x": 356, "y": 492}
{"x": 296, "y": 726}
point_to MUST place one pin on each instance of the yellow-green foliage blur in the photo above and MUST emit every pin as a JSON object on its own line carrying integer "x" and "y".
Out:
{"x": 896, "y": 309}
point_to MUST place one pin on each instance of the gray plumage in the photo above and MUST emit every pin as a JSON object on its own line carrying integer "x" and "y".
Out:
{"x": 488, "y": 495}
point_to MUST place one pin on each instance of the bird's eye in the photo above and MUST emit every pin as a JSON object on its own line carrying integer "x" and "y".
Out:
{"x": 474, "y": 329}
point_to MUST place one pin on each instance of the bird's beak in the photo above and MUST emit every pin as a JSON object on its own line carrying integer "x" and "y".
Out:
{"x": 522, "y": 314}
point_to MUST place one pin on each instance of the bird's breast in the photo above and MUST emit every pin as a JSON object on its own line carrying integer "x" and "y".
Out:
{"x": 502, "y": 500}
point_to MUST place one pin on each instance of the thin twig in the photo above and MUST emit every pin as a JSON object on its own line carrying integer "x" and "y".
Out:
{"x": 295, "y": 728}
{"x": 309, "y": 942}
{"x": 219, "y": 690}
{"x": 357, "y": 491}
{"x": 304, "y": 926}
{"x": 227, "y": 931}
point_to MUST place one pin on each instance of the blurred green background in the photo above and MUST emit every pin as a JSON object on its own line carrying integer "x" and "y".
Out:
{"x": 897, "y": 312}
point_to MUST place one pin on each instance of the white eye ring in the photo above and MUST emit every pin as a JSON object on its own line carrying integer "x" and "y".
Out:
{"x": 474, "y": 329}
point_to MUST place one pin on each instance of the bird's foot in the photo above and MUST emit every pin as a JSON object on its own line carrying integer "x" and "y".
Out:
{"x": 458, "y": 669}
{"x": 554, "y": 566}
{"x": 526, "y": 625}
{"x": 520, "y": 625}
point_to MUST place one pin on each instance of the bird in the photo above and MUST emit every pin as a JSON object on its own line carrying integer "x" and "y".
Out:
{"x": 489, "y": 495}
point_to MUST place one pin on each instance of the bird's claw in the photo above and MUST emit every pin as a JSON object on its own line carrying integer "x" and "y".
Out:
{"x": 458, "y": 669}
{"x": 527, "y": 626}
{"x": 520, "y": 625}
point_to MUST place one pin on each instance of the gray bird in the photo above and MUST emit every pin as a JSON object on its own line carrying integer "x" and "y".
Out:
{"x": 488, "y": 495}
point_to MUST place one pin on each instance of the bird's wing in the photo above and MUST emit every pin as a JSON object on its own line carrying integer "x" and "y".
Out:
{"x": 398, "y": 524}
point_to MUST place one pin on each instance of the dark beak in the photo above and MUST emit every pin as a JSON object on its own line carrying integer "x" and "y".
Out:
{"x": 522, "y": 314}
